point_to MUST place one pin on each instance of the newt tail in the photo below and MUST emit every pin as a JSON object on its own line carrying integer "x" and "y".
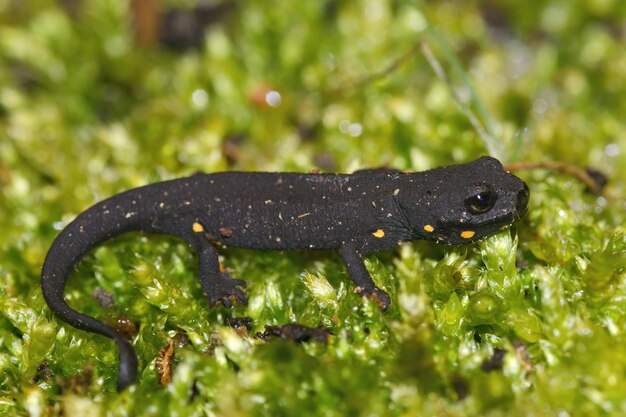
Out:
{"x": 88, "y": 230}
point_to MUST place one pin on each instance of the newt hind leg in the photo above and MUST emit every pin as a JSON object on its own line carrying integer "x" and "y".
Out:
{"x": 217, "y": 285}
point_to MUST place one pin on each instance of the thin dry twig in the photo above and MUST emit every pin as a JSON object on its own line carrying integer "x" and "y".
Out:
{"x": 465, "y": 109}
{"x": 389, "y": 69}
{"x": 570, "y": 169}
{"x": 484, "y": 131}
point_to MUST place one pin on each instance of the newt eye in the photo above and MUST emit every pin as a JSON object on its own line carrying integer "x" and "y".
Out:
{"x": 481, "y": 202}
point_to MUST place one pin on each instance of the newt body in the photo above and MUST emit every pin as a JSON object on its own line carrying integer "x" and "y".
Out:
{"x": 360, "y": 213}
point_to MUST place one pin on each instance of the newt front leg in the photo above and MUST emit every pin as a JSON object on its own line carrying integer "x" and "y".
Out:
{"x": 218, "y": 286}
{"x": 362, "y": 279}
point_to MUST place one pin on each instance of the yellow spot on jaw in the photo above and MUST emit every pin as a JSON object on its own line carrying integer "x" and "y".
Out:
{"x": 379, "y": 233}
{"x": 428, "y": 228}
{"x": 467, "y": 234}
{"x": 197, "y": 227}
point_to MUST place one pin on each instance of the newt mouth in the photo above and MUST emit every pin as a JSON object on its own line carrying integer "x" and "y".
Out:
{"x": 517, "y": 215}
{"x": 521, "y": 204}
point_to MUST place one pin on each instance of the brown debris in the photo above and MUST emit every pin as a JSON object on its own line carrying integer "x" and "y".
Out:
{"x": 496, "y": 361}
{"x": 103, "y": 297}
{"x": 126, "y": 327}
{"x": 295, "y": 332}
{"x": 165, "y": 362}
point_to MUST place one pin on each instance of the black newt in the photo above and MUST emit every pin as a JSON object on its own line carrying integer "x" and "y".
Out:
{"x": 359, "y": 213}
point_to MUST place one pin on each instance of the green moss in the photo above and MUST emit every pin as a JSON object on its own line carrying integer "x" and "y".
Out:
{"x": 84, "y": 113}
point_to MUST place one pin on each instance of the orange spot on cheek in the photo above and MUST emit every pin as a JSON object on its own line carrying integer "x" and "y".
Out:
{"x": 428, "y": 228}
{"x": 379, "y": 233}
{"x": 197, "y": 227}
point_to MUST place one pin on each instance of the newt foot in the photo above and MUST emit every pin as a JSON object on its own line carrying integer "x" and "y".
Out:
{"x": 227, "y": 291}
{"x": 380, "y": 297}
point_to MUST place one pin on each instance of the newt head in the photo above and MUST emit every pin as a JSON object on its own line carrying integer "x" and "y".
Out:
{"x": 463, "y": 203}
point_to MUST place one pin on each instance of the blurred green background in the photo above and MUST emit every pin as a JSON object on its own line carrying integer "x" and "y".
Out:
{"x": 98, "y": 96}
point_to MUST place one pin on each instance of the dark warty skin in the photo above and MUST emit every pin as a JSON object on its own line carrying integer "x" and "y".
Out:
{"x": 357, "y": 214}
